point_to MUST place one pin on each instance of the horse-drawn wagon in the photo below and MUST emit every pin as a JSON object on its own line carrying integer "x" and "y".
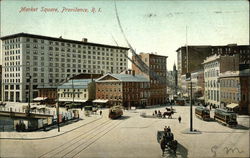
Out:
{"x": 166, "y": 141}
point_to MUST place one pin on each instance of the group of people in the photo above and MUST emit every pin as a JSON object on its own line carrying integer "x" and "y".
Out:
{"x": 159, "y": 114}
{"x": 20, "y": 127}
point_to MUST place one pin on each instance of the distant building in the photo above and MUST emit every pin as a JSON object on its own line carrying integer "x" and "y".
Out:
{"x": 213, "y": 66}
{"x": 51, "y": 60}
{"x": 156, "y": 74}
{"x": 197, "y": 84}
{"x": 47, "y": 94}
{"x": 197, "y": 54}
{"x": 235, "y": 90}
{"x": 172, "y": 80}
{"x": 126, "y": 89}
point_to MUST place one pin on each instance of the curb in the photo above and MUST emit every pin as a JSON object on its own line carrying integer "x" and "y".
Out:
{"x": 53, "y": 135}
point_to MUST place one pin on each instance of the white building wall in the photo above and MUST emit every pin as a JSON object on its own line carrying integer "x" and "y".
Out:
{"x": 212, "y": 86}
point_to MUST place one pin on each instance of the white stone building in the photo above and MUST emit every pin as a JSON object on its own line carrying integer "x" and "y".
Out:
{"x": 50, "y": 60}
{"x": 213, "y": 66}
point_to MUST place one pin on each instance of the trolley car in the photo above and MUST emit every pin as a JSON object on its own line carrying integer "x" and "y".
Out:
{"x": 115, "y": 112}
{"x": 225, "y": 117}
{"x": 202, "y": 113}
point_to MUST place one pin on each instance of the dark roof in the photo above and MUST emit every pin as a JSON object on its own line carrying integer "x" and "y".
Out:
{"x": 59, "y": 40}
{"x": 211, "y": 46}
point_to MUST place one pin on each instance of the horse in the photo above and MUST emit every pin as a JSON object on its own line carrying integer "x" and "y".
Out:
{"x": 165, "y": 140}
{"x": 163, "y": 145}
{"x": 168, "y": 113}
{"x": 173, "y": 145}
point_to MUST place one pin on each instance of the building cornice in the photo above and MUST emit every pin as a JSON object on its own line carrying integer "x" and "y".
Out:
{"x": 59, "y": 40}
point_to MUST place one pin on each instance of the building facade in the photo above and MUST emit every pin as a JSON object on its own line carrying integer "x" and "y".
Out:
{"x": 126, "y": 89}
{"x": 50, "y": 60}
{"x": 234, "y": 88}
{"x": 213, "y": 66}
{"x": 172, "y": 80}
{"x": 192, "y": 61}
{"x": 197, "y": 84}
{"x": 77, "y": 90}
{"x": 157, "y": 73}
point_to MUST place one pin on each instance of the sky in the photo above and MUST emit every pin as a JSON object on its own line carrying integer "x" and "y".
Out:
{"x": 150, "y": 26}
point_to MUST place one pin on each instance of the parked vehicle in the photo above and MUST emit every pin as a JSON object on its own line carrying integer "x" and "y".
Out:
{"x": 225, "y": 117}
{"x": 115, "y": 112}
{"x": 202, "y": 113}
{"x": 180, "y": 102}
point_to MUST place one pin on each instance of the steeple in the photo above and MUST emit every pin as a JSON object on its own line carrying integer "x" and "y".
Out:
{"x": 174, "y": 67}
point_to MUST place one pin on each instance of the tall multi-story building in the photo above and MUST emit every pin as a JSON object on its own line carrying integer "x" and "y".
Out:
{"x": 213, "y": 66}
{"x": 157, "y": 74}
{"x": 192, "y": 61}
{"x": 32, "y": 60}
{"x": 126, "y": 89}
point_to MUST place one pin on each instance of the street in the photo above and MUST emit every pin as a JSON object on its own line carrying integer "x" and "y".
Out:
{"x": 135, "y": 136}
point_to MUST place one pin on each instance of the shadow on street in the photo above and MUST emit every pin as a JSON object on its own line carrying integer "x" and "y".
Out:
{"x": 181, "y": 152}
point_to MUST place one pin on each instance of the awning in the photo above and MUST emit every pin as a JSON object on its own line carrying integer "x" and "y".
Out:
{"x": 71, "y": 100}
{"x": 100, "y": 101}
{"x": 39, "y": 98}
{"x": 200, "y": 98}
{"x": 232, "y": 105}
{"x": 185, "y": 95}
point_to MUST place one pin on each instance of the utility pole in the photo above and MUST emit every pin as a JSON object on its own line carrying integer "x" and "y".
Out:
{"x": 73, "y": 88}
{"x": 57, "y": 108}
{"x": 191, "y": 107}
{"x": 29, "y": 96}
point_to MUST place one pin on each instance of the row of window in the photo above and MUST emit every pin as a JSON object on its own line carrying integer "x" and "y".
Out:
{"x": 229, "y": 95}
{"x": 212, "y": 73}
{"x": 12, "y": 52}
{"x": 213, "y": 95}
{"x": 212, "y": 83}
{"x": 229, "y": 83}
{"x": 71, "y": 95}
{"x": 10, "y": 41}
{"x": 211, "y": 65}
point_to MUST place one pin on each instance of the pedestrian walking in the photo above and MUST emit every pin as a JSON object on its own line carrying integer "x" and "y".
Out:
{"x": 100, "y": 112}
{"x": 179, "y": 118}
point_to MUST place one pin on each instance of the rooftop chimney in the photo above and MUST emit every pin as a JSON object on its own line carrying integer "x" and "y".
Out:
{"x": 133, "y": 72}
{"x": 84, "y": 40}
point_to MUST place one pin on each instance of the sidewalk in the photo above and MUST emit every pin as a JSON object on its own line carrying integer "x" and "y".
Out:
{"x": 51, "y": 133}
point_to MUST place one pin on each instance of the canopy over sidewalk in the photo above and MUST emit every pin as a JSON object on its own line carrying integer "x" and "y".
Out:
{"x": 100, "y": 101}
{"x": 232, "y": 105}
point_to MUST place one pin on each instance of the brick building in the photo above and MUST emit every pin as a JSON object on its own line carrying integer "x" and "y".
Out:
{"x": 157, "y": 64}
{"x": 123, "y": 89}
{"x": 234, "y": 90}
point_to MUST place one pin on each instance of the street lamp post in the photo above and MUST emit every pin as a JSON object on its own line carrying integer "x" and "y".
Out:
{"x": 191, "y": 107}
{"x": 57, "y": 109}
{"x": 29, "y": 95}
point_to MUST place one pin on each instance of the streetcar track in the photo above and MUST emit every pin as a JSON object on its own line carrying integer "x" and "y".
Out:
{"x": 86, "y": 141}
{"x": 76, "y": 137}
{"x": 98, "y": 138}
{"x": 80, "y": 139}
